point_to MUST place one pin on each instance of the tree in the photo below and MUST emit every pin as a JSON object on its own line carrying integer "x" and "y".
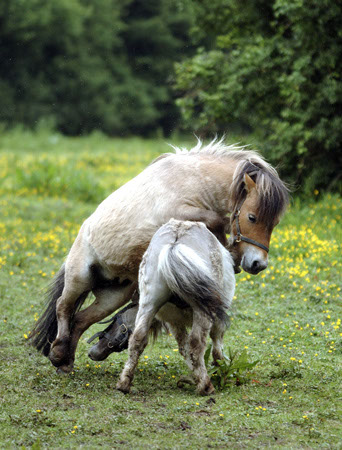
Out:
{"x": 273, "y": 67}
{"x": 90, "y": 64}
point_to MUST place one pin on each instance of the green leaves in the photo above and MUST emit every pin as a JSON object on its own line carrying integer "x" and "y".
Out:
{"x": 272, "y": 69}
{"x": 233, "y": 369}
{"x": 85, "y": 65}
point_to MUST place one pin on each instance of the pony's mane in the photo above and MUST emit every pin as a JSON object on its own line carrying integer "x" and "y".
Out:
{"x": 273, "y": 192}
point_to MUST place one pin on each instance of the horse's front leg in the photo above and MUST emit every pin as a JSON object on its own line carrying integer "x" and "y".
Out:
{"x": 107, "y": 300}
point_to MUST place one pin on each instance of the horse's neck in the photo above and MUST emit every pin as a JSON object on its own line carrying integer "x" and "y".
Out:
{"x": 218, "y": 174}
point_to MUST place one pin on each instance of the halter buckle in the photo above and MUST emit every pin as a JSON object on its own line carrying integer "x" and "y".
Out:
{"x": 123, "y": 328}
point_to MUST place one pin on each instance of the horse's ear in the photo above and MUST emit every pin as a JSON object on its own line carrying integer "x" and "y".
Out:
{"x": 249, "y": 183}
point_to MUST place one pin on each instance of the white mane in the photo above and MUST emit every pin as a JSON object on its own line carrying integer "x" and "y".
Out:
{"x": 218, "y": 148}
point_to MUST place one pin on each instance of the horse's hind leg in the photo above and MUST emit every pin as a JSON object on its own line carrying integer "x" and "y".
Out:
{"x": 75, "y": 289}
{"x": 197, "y": 345}
{"x": 77, "y": 284}
{"x": 153, "y": 294}
{"x": 216, "y": 334}
{"x": 107, "y": 300}
{"x": 137, "y": 344}
{"x": 181, "y": 335}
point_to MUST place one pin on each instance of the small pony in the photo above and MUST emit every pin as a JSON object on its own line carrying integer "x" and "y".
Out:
{"x": 115, "y": 337}
{"x": 185, "y": 259}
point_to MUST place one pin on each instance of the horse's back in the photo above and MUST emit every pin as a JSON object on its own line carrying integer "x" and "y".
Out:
{"x": 120, "y": 229}
{"x": 200, "y": 245}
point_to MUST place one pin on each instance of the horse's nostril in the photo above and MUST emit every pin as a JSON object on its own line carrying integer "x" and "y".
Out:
{"x": 256, "y": 265}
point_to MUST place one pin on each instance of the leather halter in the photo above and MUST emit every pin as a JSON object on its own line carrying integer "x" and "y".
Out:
{"x": 125, "y": 331}
{"x": 240, "y": 237}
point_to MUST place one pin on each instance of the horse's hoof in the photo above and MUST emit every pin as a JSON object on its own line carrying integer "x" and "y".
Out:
{"x": 64, "y": 369}
{"x": 208, "y": 389}
{"x": 237, "y": 269}
{"x": 124, "y": 386}
{"x": 185, "y": 380}
{"x": 59, "y": 353}
{"x": 61, "y": 372}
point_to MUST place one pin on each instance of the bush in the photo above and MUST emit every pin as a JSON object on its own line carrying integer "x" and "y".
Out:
{"x": 274, "y": 68}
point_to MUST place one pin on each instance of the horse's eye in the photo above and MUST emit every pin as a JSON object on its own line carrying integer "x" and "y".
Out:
{"x": 252, "y": 218}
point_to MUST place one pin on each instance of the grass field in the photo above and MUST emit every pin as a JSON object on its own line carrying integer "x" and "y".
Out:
{"x": 288, "y": 317}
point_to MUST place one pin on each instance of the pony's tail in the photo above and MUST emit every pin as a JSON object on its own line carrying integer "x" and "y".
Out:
{"x": 45, "y": 330}
{"x": 187, "y": 276}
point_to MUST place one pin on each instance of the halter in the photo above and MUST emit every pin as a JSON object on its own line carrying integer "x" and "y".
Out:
{"x": 240, "y": 237}
{"x": 125, "y": 331}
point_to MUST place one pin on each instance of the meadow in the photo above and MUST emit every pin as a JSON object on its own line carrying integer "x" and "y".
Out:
{"x": 288, "y": 318}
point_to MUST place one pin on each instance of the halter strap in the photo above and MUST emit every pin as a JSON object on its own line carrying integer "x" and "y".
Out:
{"x": 118, "y": 319}
{"x": 240, "y": 237}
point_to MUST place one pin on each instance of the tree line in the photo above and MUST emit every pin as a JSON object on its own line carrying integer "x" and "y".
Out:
{"x": 268, "y": 67}
{"x": 91, "y": 64}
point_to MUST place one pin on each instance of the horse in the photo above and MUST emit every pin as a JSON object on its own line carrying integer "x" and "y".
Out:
{"x": 186, "y": 259}
{"x": 203, "y": 184}
{"x": 115, "y": 337}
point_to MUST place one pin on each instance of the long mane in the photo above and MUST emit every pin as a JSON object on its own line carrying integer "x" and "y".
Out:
{"x": 273, "y": 192}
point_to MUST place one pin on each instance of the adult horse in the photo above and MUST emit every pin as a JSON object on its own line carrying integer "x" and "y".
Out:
{"x": 204, "y": 185}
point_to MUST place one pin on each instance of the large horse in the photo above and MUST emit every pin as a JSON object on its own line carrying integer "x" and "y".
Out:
{"x": 204, "y": 185}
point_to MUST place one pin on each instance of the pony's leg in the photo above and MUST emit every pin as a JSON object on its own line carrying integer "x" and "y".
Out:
{"x": 137, "y": 344}
{"x": 77, "y": 284}
{"x": 216, "y": 334}
{"x": 153, "y": 294}
{"x": 107, "y": 300}
{"x": 197, "y": 344}
{"x": 74, "y": 289}
{"x": 181, "y": 335}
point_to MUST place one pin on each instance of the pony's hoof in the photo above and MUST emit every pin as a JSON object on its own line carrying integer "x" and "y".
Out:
{"x": 59, "y": 354}
{"x": 64, "y": 369}
{"x": 123, "y": 386}
{"x": 185, "y": 380}
{"x": 208, "y": 389}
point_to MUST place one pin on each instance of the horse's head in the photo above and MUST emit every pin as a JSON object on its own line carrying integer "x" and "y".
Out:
{"x": 115, "y": 337}
{"x": 257, "y": 211}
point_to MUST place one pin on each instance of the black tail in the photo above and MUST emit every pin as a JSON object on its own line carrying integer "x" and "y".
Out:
{"x": 45, "y": 330}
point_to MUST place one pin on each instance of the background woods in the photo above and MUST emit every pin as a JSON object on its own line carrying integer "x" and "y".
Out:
{"x": 83, "y": 65}
{"x": 270, "y": 67}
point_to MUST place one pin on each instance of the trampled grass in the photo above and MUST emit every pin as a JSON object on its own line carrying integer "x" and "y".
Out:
{"x": 288, "y": 317}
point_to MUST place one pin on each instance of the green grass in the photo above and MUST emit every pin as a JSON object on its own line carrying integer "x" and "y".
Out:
{"x": 288, "y": 318}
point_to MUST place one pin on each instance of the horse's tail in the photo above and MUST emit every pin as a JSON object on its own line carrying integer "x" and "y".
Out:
{"x": 45, "y": 330}
{"x": 187, "y": 275}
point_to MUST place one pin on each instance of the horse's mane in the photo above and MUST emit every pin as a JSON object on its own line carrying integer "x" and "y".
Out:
{"x": 273, "y": 192}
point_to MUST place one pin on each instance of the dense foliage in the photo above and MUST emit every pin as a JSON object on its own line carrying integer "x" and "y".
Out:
{"x": 273, "y": 67}
{"x": 83, "y": 65}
